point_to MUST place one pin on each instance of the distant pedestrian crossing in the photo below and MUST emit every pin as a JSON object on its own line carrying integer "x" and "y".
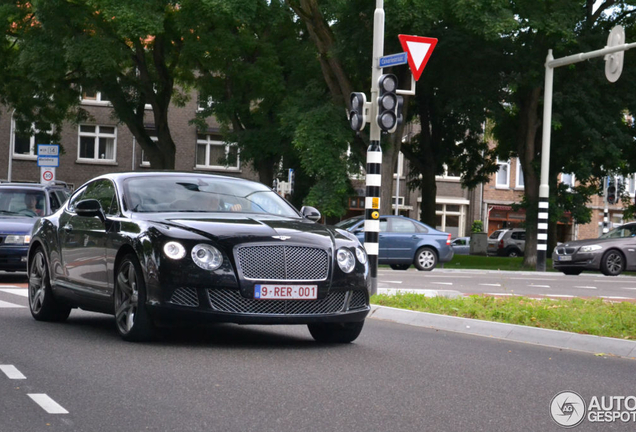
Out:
{"x": 12, "y": 296}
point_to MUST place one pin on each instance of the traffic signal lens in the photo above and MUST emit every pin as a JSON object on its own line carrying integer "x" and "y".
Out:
{"x": 388, "y": 102}
{"x": 387, "y": 120}
{"x": 388, "y": 84}
{"x": 354, "y": 120}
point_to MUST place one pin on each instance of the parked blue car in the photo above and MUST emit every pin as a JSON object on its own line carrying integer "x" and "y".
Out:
{"x": 405, "y": 241}
{"x": 21, "y": 205}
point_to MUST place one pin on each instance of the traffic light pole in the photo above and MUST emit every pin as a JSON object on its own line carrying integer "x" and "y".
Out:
{"x": 374, "y": 155}
{"x": 606, "y": 206}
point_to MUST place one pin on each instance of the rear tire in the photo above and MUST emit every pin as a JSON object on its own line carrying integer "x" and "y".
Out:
{"x": 513, "y": 253}
{"x": 425, "y": 259}
{"x": 42, "y": 303}
{"x": 131, "y": 318}
{"x": 336, "y": 332}
{"x": 400, "y": 266}
{"x": 612, "y": 263}
{"x": 572, "y": 272}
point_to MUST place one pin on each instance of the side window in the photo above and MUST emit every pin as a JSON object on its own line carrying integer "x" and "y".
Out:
{"x": 104, "y": 192}
{"x": 402, "y": 226}
{"x": 421, "y": 228}
{"x": 77, "y": 196}
{"x": 384, "y": 225}
{"x": 54, "y": 203}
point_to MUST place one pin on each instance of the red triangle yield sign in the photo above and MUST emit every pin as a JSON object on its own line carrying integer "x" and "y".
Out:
{"x": 419, "y": 50}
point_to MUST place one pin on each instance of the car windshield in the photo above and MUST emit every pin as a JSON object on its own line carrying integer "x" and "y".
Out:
{"x": 621, "y": 232}
{"x": 495, "y": 235}
{"x": 348, "y": 223}
{"x": 159, "y": 194}
{"x": 21, "y": 202}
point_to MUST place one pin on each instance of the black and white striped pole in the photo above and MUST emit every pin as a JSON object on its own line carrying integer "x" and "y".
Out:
{"x": 606, "y": 206}
{"x": 613, "y": 54}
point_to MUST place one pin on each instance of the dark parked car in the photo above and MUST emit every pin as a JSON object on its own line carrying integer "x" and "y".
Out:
{"x": 507, "y": 242}
{"x": 404, "y": 241}
{"x": 21, "y": 205}
{"x": 160, "y": 247}
{"x": 612, "y": 253}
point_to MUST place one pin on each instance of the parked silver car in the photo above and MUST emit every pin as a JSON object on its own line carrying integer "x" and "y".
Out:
{"x": 507, "y": 242}
{"x": 461, "y": 246}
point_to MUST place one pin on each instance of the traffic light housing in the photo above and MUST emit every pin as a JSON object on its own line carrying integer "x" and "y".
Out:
{"x": 388, "y": 103}
{"x": 611, "y": 192}
{"x": 357, "y": 115}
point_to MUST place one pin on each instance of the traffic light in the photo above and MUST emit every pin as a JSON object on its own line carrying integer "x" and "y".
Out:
{"x": 388, "y": 103}
{"x": 357, "y": 116}
{"x": 611, "y": 192}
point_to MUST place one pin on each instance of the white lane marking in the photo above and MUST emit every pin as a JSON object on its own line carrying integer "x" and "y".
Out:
{"x": 487, "y": 284}
{"x": 616, "y": 298}
{"x": 4, "y": 304}
{"x": 47, "y": 404}
{"x": 586, "y": 287}
{"x": 628, "y": 288}
{"x": 11, "y": 372}
{"x": 614, "y": 281}
{"x": 442, "y": 283}
{"x": 500, "y": 294}
{"x": 9, "y": 286}
{"x": 559, "y": 295}
{"x": 531, "y": 278}
{"x": 394, "y": 291}
{"x": 391, "y": 281}
{"x": 17, "y": 291}
{"x": 539, "y": 286}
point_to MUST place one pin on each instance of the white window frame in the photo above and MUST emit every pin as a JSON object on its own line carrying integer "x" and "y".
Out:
{"x": 572, "y": 180}
{"x": 96, "y": 101}
{"x": 463, "y": 210}
{"x": 519, "y": 175}
{"x": 203, "y": 105}
{"x": 96, "y": 135}
{"x": 631, "y": 184}
{"x": 507, "y": 184}
{"x": 210, "y": 142}
{"x": 33, "y": 151}
{"x": 446, "y": 176}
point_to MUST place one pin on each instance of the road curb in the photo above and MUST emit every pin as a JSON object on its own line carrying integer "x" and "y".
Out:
{"x": 511, "y": 332}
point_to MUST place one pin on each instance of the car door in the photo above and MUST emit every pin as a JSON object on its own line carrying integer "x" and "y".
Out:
{"x": 403, "y": 237}
{"x": 83, "y": 240}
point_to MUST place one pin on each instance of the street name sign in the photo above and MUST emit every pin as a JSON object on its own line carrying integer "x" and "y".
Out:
{"x": 419, "y": 50}
{"x": 393, "y": 60}
{"x": 48, "y": 161}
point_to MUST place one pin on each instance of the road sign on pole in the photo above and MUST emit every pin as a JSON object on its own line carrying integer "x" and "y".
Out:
{"x": 393, "y": 60}
{"x": 419, "y": 50}
{"x": 47, "y": 175}
{"x": 614, "y": 61}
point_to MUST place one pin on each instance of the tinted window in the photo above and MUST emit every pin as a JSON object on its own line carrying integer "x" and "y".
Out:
{"x": 24, "y": 202}
{"x": 399, "y": 225}
{"x": 495, "y": 235}
{"x": 518, "y": 235}
{"x": 104, "y": 192}
{"x": 54, "y": 202}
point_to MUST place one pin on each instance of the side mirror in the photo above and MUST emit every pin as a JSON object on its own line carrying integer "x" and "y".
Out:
{"x": 89, "y": 208}
{"x": 310, "y": 213}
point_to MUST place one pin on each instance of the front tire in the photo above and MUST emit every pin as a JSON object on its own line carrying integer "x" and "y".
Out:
{"x": 132, "y": 319}
{"x": 336, "y": 332}
{"x": 612, "y": 263}
{"x": 43, "y": 306}
{"x": 425, "y": 259}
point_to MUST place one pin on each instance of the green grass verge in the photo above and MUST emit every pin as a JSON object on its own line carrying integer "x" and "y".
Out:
{"x": 594, "y": 317}
{"x": 490, "y": 263}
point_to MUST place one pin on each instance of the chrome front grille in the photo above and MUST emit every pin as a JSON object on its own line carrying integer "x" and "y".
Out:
{"x": 185, "y": 297}
{"x": 224, "y": 300}
{"x": 565, "y": 251}
{"x": 281, "y": 262}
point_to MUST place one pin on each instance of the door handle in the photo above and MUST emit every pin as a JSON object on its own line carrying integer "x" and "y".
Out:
{"x": 68, "y": 227}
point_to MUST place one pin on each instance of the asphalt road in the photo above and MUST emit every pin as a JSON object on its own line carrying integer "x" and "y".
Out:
{"x": 247, "y": 378}
{"x": 504, "y": 283}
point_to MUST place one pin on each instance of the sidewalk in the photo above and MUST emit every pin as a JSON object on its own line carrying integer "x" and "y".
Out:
{"x": 511, "y": 332}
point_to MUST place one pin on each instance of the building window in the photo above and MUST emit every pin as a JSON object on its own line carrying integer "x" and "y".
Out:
{"x": 97, "y": 143}
{"x": 568, "y": 179}
{"x": 93, "y": 96}
{"x": 27, "y": 145}
{"x": 216, "y": 154}
{"x": 503, "y": 174}
{"x": 631, "y": 184}
{"x": 519, "y": 182}
{"x": 451, "y": 218}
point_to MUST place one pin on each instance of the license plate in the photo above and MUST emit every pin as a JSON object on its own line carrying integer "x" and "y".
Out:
{"x": 286, "y": 292}
{"x": 565, "y": 258}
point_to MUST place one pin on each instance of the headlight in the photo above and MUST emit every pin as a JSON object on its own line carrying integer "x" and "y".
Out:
{"x": 346, "y": 261}
{"x": 174, "y": 250}
{"x": 590, "y": 248}
{"x": 17, "y": 239}
{"x": 207, "y": 257}
{"x": 362, "y": 255}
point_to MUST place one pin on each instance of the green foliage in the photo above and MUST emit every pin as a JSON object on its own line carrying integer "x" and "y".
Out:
{"x": 477, "y": 227}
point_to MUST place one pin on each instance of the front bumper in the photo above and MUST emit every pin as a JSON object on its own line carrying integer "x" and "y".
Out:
{"x": 13, "y": 258}
{"x": 228, "y": 305}
{"x": 587, "y": 260}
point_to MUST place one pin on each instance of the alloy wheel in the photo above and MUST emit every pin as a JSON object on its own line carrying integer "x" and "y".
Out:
{"x": 614, "y": 263}
{"x": 37, "y": 283}
{"x": 426, "y": 259}
{"x": 127, "y": 297}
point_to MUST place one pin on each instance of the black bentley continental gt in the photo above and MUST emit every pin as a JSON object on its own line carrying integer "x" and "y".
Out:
{"x": 155, "y": 248}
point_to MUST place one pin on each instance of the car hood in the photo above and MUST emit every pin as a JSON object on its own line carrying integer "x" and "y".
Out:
{"x": 12, "y": 225}
{"x": 233, "y": 229}
{"x": 597, "y": 241}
